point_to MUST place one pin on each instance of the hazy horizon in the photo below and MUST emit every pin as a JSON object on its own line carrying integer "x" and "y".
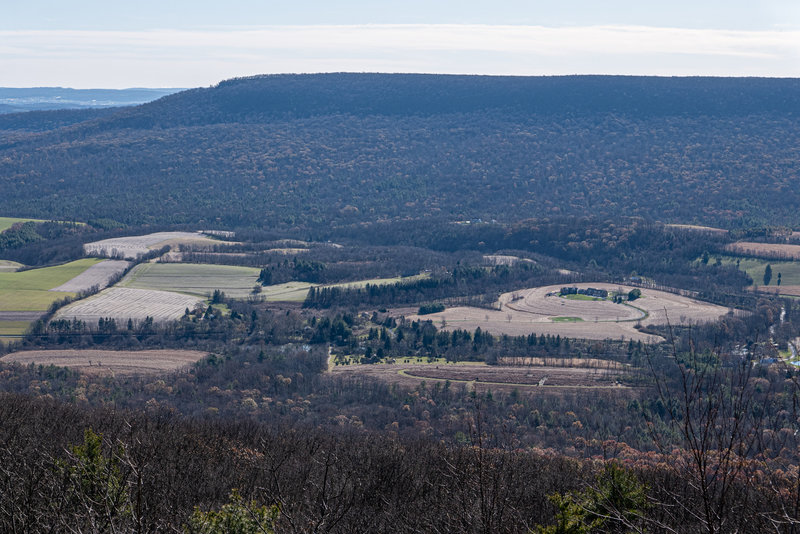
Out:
{"x": 191, "y": 44}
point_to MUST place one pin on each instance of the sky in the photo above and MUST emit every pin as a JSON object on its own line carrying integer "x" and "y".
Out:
{"x": 182, "y": 43}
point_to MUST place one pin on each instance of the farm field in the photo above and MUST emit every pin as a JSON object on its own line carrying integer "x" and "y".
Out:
{"x": 501, "y": 259}
{"x": 132, "y": 246}
{"x": 99, "y": 274}
{"x": 236, "y": 282}
{"x": 298, "y": 291}
{"x": 8, "y": 222}
{"x": 25, "y": 295}
{"x": 776, "y": 250}
{"x": 10, "y": 330}
{"x": 698, "y": 228}
{"x": 539, "y": 311}
{"x": 377, "y": 281}
{"x": 30, "y": 290}
{"x": 790, "y": 273}
{"x": 489, "y": 377}
{"x": 193, "y": 279}
{"x": 8, "y": 266}
{"x": 101, "y": 362}
{"x": 286, "y": 292}
{"x": 121, "y": 304}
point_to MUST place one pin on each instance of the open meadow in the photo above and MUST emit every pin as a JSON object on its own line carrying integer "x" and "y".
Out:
{"x": 8, "y": 222}
{"x": 286, "y": 292}
{"x": 122, "y": 303}
{"x": 26, "y": 295}
{"x": 30, "y": 290}
{"x": 109, "y": 362}
{"x": 542, "y": 311}
{"x": 755, "y": 268}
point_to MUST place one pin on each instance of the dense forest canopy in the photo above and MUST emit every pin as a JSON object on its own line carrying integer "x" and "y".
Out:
{"x": 310, "y": 150}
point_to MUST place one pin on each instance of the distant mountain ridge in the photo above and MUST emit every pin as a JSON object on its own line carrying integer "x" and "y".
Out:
{"x": 16, "y": 99}
{"x": 312, "y": 151}
{"x": 284, "y": 96}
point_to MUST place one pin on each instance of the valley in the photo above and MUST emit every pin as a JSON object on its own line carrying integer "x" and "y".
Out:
{"x": 363, "y": 300}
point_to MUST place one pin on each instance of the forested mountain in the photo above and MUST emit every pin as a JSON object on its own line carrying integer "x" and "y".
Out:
{"x": 316, "y": 150}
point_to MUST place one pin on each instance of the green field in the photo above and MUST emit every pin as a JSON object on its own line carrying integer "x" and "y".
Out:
{"x": 378, "y": 281}
{"x": 7, "y": 222}
{"x": 578, "y": 296}
{"x": 13, "y": 328}
{"x": 790, "y": 270}
{"x": 566, "y": 319}
{"x": 28, "y": 290}
{"x": 193, "y": 279}
{"x": 288, "y": 292}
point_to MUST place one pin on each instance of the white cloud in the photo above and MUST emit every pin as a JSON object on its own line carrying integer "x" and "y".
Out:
{"x": 189, "y": 58}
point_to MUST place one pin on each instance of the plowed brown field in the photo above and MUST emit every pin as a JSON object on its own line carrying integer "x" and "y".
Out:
{"x": 541, "y": 311}
{"x": 109, "y": 361}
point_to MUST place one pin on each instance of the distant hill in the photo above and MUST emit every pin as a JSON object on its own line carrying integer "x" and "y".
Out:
{"x": 263, "y": 98}
{"x": 16, "y": 99}
{"x": 312, "y": 151}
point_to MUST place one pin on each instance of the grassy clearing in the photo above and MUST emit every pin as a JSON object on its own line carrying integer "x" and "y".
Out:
{"x": 13, "y": 328}
{"x": 8, "y": 222}
{"x": 29, "y": 290}
{"x": 566, "y": 319}
{"x": 790, "y": 270}
{"x": 379, "y": 281}
{"x": 288, "y": 292}
{"x": 193, "y": 279}
{"x": 578, "y": 296}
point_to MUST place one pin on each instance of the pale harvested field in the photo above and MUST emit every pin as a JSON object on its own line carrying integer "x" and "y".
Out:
{"x": 109, "y": 361}
{"x": 501, "y": 259}
{"x": 132, "y": 246}
{"x": 99, "y": 274}
{"x": 193, "y": 278}
{"x": 793, "y": 291}
{"x": 532, "y": 311}
{"x": 765, "y": 249}
{"x": 8, "y": 266}
{"x": 122, "y": 303}
{"x": 287, "y": 251}
{"x": 485, "y": 377}
{"x": 698, "y": 228}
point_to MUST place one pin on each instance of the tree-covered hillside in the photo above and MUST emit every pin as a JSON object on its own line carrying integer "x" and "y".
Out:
{"x": 316, "y": 150}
